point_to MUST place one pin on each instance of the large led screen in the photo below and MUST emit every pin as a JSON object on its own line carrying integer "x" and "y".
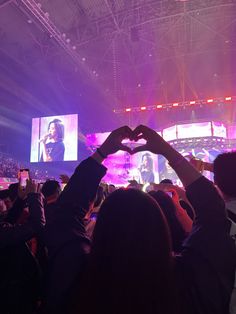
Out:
{"x": 54, "y": 138}
{"x": 123, "y": 167}
{"x": 219, "y": 129}
{"x": 232, "y": 132}
{"x": 207, "y": 155}
{"x": 200, "y": 129}
{"x": 169, "y": 134}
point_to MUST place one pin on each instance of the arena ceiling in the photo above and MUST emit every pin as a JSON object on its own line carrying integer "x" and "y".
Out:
{"x": 91, "y": 56}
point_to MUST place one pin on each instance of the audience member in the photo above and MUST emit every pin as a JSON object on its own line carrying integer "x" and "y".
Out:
{"x": 224, "y": 177}
{"x": 121, "y": 276}
{"x": 128, "y": 264}
{"x": 224, "y": 168}
{"x": 51, "y": 190}
{"x": 19, "y": 288}
{"x": 169, "y": 209}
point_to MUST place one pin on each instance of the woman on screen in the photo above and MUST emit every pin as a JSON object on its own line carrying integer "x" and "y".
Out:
{"x": 146, "y": 169}
{"x": 53, "y": 147}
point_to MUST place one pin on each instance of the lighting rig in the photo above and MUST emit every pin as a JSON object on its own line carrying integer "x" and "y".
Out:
{"x": 183, "y": 104}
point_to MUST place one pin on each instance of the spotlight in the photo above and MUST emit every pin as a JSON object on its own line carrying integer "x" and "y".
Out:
{"x": 128, "y": 109}
{"x": 143, "y": 108}
{"x": 209, "y": 100}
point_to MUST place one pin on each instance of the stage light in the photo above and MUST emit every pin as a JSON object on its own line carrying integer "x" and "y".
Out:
{"x": 228, "y": 98}
{"x": 209, "y": 100}
{"x": 175, "y": 104}
{"x": 128, "y": 109}
{"x": 159, "y": 106}
{"x": 192, "y": 102}
{"x": 143, "y": 108}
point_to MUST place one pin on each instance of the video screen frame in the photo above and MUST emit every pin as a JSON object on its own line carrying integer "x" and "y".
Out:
{"x": 54, "y": 138}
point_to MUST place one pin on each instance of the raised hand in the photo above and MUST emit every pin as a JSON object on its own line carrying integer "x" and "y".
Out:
{"x": 114, "y": 141}
{"x": 31, "y": 186}
{"x": 44, "y": 138}
{"x": 64, "y": 178}
{"x": 155, "y": 143}
{"x": 197, "y": 163}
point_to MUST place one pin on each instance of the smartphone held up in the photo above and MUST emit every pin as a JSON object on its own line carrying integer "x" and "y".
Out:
{"x": 23, "y": 177}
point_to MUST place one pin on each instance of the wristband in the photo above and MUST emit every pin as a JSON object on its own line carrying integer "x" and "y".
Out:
{"x": 101, "y": 154}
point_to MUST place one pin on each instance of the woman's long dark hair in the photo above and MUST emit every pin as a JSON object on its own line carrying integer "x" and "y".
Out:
{"x": 59, "y": 126}
{"x": 149, "y": 165}
{"x": 130, "y": 268}
{"x": 167, "y": 205}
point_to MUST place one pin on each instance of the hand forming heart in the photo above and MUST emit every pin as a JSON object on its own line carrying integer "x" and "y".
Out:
{"x": 154, "y": 142}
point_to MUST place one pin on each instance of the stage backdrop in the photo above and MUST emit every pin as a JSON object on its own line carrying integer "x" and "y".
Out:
{"x": 123, "y": 167}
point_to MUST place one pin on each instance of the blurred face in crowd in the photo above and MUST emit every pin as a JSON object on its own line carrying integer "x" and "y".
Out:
{"x": 8, "y": 203}
{"x": 111, "y": 188}
{"x": 3, "y": 207}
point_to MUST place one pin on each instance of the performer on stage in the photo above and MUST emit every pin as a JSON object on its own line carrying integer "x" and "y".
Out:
{"x": 146, "y": 169}
{"x": 52, "y": 143}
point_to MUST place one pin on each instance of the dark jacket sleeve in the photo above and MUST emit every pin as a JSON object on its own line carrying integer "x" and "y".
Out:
{"x": 65, "y": 238}
{"x": 82, "y": 186}
{"x": 15, "y": 211}
{"x": 15, "y": 234}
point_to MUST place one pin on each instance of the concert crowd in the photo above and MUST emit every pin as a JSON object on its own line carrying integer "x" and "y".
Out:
{"x": 9, "y": 168}
{"x": 95, "y": 248}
